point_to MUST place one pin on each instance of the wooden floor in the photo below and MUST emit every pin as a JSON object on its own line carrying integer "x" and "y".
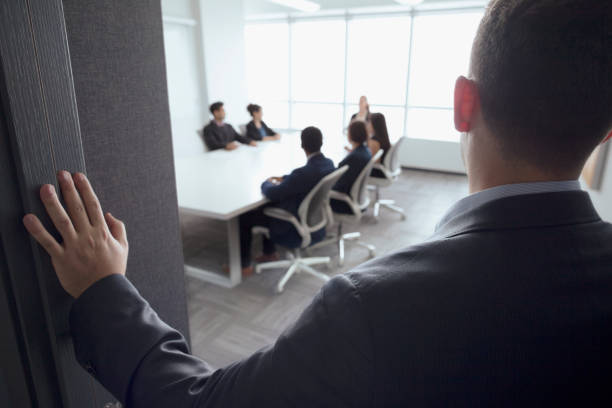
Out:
{"x": 230, "y": 324}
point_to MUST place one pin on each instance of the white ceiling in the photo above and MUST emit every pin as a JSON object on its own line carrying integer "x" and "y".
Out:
{"x": 255, "y": 7}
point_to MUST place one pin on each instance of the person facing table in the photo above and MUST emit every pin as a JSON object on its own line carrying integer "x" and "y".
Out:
{"x": 257, "y": 128}
{"x": 221, "y": 135}
{"x": 285, "y": 192}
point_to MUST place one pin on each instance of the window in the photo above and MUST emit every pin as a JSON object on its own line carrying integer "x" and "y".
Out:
{"x": 437, "y": 60}
{"x": 327, "y": 117}
{"x": 377, "y": 60}
{"x": 312, "y": 72}
{"x": 440, "y": 53}
{"x": 267, "y": 63}
{"x": 317, "y": 61}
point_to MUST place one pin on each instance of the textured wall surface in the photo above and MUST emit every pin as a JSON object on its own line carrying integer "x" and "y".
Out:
{"x": 117, "y": 53}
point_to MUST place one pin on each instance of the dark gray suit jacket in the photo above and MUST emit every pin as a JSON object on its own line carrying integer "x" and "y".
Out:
{"x": 509, "y": 304}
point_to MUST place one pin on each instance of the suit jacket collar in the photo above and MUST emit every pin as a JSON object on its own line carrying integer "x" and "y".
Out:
{"x": 315, "y": 157}
{"x": 522, "y": 211}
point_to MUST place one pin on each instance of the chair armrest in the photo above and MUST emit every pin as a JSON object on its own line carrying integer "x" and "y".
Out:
{"x": 284, "y": 215}
{"x": 280, "y": 214}
{"x": 336, "y": 195}
{"x": 380, "y": 167}
{"x": 384, "y": 170}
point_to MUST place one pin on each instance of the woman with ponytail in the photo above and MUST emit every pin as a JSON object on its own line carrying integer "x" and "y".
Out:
{"x": 257, "y": 129}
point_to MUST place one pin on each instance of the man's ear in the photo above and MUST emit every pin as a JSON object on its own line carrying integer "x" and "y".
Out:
{"x": 607, "y": 137}
{"x": 466, "y": 101}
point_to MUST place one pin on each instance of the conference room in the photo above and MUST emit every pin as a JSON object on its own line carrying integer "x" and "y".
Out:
{"x": 253, "y": 203}
{"x": 300, "y": 64}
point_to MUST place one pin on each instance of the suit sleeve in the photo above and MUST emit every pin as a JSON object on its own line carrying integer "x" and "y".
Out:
{"x": 324, "y": 359}
{"x": 290, "y": 186}
{"x": 238, "y": 137}
{"x": 214, "y": 140}
{"x": 342, "y": 184}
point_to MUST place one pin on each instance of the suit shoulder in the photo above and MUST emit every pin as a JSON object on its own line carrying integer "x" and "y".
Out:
{"x": 414, "y": 265}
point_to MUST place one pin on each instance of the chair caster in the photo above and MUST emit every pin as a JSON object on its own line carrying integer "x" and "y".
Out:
{"x": 403, "y": 217}
{"x": 372, "y": 253}
{"x": 278, "y": 289}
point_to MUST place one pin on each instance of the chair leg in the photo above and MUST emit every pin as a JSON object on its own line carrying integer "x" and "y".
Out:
{"x": 271, "y": 265}
{"x": 340, "y": 251}
{"x": 351, "y": 236}
{"x": 313, "y": 272}
{"x": 290, "y": 272}
{"x": 391, "y": 206}
{"x": 321, "y": 260}
{"x": 371, "y": 248}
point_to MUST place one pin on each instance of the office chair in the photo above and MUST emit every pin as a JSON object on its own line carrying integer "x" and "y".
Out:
{"x": 391, "y": 170}
{"x": 243, "y": 129}
{"x": 313, "y": 215}
{"x": 358, "y": 200}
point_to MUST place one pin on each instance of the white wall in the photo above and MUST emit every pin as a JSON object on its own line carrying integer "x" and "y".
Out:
{"x": 432, "y": 155}
{"x": 602, "y": 199}
{"x": 224, "y": 56}
{"x": 185, "y": 73}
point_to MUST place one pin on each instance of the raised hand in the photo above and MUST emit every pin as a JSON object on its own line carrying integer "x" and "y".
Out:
{"x": 94, "y": 245}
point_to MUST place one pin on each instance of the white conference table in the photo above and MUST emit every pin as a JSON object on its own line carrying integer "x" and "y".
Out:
{"x": 225, "y": 184}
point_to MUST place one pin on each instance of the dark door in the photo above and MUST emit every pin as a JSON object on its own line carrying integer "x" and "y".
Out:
{"x": 82, "y": 88}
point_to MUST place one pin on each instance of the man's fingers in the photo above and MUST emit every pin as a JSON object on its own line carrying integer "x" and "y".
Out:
{"x": 75, "y": 205}
{"x": 117, "y": 229}
{"x": 56, "y": 211}
{"x": 41, "y": 235}
{"x": 94, "y": 210}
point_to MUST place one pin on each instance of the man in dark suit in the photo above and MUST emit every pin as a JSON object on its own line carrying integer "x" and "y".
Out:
{"x": 286, "y": 192}
{"x": 221, "y": 135}
{"x": 508, "y": 304}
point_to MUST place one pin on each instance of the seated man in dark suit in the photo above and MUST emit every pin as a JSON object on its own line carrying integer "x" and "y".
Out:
{"x": 509, "y": 303}
{"x": 286, "y": 192}
{"x": 221, "y": 135}
{"x": 357, "y": 159}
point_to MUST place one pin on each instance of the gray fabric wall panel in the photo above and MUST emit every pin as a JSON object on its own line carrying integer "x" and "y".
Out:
{"x": 118, "y": 64}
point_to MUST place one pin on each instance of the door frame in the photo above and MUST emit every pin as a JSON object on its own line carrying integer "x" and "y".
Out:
{"x": 41, "y": 135}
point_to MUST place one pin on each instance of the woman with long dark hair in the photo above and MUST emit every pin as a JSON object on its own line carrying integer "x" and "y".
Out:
{"x": 257, "y": 129}
{"x": 377, "y": 127}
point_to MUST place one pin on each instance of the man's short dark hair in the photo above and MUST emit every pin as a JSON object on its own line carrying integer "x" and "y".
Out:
{"x": 215, "y": 107}
{"x": 543, "y": 69}
{"x": 357, "y": 132}
{"x": 312, "y": 139}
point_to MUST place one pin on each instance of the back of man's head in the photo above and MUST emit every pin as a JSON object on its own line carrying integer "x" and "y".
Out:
{"x": 543, "y": 69}
{"x": 312, "y": 140}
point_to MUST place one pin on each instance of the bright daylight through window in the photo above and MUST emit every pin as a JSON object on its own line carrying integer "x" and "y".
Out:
{"x": 406, "y": 64}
